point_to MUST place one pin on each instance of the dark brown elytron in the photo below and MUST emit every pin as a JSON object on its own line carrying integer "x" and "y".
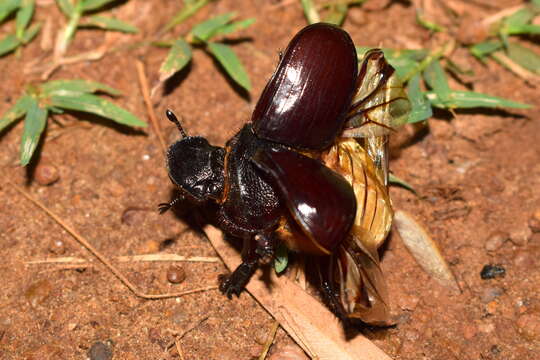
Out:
{"x": 286, "y": 177}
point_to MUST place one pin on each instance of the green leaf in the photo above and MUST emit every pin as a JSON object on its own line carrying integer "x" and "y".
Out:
{"x": 485, "y": 48}
{"x": 281, "y": 259}
{"x": 8, "y": 44}
{"x": 108, "y": 23}
{"x": 310, "y": 11}
{"x": 521, "y": 17}
{"x": 524, "y": 57}
{"x": 7, "y": 7}
{"x": 74, "y": 87}
{"x": 207, "y": 29}
{"x": 470, "y": 99}
{"x": 393, "y": 179}
{"x": 525, "y": 29}
{"x": 436, "y": 79}
{"x": 16, "y": 111}
{"x": 190, "y": 8}
{"x": 235, "y": 26}
{"x": 88, "y": 5}
{"x": 230, "y": 62}
{"x": 178, "y": 57}
{"x": 95, "y": 105}
{"x": 34, "y": 124}
{"x": 23, "y": 17}
{"x": 424, "y": 22}
{"x": 30, "y": 33}
{"x": 420, "y": 106}
{"x": 66, "y": 7}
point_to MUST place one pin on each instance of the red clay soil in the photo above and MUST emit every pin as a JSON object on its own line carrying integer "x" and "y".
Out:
{"x": 478, "y": 175}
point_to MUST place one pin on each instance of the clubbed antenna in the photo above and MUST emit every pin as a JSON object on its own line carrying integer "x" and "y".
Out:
{"x": 174, "y": 119}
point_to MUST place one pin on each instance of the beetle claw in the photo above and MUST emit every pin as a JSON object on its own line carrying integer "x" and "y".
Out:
{"x": 163, "y": 207}
{"x": 236, "y": 282}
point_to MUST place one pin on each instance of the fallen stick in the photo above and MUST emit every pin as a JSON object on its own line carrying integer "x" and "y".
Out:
{"x": 306, "y": 320}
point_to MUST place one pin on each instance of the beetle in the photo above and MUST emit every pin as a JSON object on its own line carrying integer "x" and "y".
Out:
{"x": 271, "y": 182}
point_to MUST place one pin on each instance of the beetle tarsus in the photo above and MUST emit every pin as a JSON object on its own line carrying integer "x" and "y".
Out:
{"x": 236, "y": 282}
{"x": 164, "y": 207}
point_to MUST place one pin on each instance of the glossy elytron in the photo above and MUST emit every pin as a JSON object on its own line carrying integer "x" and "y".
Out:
{"x": 286, "y": 177}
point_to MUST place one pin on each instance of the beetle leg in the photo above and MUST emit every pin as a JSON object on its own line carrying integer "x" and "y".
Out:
{"x": 331, "y": 296}
{"x": 235, "y": 282}
{"x": 266, "y": 246}
{"x": 163, "y": 207}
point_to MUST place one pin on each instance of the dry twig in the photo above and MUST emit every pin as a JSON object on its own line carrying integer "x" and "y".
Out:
{"x": 309, "y": 323}
{"x": 143, "y": 82}
{"x": 82, "y": 241}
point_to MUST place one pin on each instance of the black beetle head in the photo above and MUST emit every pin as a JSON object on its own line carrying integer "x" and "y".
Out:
{"x": 196, "y": 166}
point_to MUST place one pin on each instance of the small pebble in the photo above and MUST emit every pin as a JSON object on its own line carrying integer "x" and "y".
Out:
{"x": 496, "y": 240}
{"x": 490, "y": 294}
{"x": 492, "y": 271}
{"x": 149, "y": 247}
{"x": 115, "y": 188}
{"x": 46, "y": 174}
{"x": 524, "y": 260}
{"x": 132, "y": 216}
{"x": 486, "y": 327}
{"x": 288, "y": 352}
{"x": 38, "y": 292}
{"x": 469, "y": 331}
{"x": 57, "y": 246}
{"x": 534, "y": 222}
{"x": 100, "y": 351}
{"x": 176, "y": 274}
{"x": 529, "y": 326}
{"x": 521, "y": 236}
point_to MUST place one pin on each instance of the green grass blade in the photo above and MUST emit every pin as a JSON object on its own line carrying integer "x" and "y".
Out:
{"x": 310, "y": 11}
{"x": 16, "y": 111}
{"x": 178, "y": 57}
{"x": 230, "y": 62}
{"x": 34, "y": 124}
{"x": 187, "y": 11}
{"x": 30, "y": 33}
{"x": 7, "y": 7}
{"x": 393, "y": 179}
{"x": 436, "y": 79}
{"x": 524, "y": 29}
{"x": 8, "y": 44}
{"x": 206, "y": 29}
{"x": 108, "y": 23}
{"x": 420, "y": 106}
{"x": 281, "y": 259}
{"x": 88, "y": 5}
{"x": 524, "y": 57}
{"x": 483, "y": 49}
{"x": 470, "y": 99}
{"x": 24, "y": 15}
{"x": 74, "y": 87}
{"x": 95, "y": 105}
{"x": 235, "y": 26}
{"x": 66, "y": 7}
{"x": 521, "y": 17}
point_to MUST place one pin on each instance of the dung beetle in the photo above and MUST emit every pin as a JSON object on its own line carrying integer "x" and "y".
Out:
{"x": 271, "y": 182}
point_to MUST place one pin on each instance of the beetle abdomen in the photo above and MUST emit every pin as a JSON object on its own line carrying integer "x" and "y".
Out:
{"x": 305, "y": 102}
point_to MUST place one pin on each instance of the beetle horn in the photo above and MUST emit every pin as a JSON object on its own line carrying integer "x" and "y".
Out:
{"x": 174, "y": 119}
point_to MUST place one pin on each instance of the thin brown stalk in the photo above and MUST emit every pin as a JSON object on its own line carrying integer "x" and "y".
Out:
{"x": 82, "y": 241}
{"x": 143, "y": 82}
{"x": 270, "y": 340}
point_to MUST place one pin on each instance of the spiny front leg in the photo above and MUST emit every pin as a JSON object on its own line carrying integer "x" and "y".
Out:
{"x": 254, "y": 249}
{"x": 163, "y": 207}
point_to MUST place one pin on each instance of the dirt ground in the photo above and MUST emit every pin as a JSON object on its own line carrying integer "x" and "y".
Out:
{"x": 478, "y": 175}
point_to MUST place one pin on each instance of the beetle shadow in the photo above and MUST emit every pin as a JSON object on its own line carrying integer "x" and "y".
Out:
{"x": 174, "y": 81}
{"x": 243, "y": 93}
